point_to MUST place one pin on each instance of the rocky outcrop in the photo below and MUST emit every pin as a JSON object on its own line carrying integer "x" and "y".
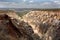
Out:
{"x": 14, "y": 29}
{"x": 10, "y": 13}
{"x": 35, "y": 25}
{"x": 44, "y": 23}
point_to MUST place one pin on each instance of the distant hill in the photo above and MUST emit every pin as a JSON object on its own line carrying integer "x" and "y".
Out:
{"x": 22, "y": 9}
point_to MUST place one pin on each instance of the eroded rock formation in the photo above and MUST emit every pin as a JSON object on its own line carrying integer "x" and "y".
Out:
{"x": 44, "y": 23}
{"x": 12, "y": 28}
{"x": 35, "y": 25}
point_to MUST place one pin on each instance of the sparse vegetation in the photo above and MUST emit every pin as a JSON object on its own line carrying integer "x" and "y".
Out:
{"x": 21, "y": 13}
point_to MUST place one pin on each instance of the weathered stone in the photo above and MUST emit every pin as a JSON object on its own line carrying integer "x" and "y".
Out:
{"x": 11, "y": 30}
{"x": 44, "y": 23}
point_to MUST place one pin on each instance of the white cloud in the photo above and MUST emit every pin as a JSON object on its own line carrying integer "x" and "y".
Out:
{"x": 24, "y": 0}
{"x": 31, "y": 1}
{"x": 24, "y": 5}
{"x": 46, "y": 3}
{"x": 8, "y": 4}
{"x": 56, "y": 1}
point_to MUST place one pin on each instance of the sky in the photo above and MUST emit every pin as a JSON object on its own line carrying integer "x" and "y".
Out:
{"x": 29, "y": 3}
